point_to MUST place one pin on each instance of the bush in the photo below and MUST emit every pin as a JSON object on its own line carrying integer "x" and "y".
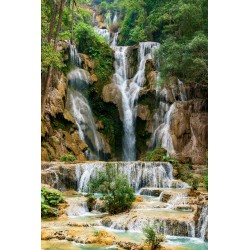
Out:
{"x": 117, "y": 193}
{"x": 158, "y": 154}
{"x": 152, "y": 237}
{"x": 93, "y": 45}
{"x": 205, "y": 179}
{"x": 68, "y": 158}
{"x": 195, "y": 183}
{"x": 50, "y": 57}
{"x": 49, "y": 202}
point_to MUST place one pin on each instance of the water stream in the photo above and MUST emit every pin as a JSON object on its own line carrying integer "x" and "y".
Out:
{"x": 79, "y": 81}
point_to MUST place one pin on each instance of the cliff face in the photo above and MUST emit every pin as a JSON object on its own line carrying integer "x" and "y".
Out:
{"x": 59, "y": 131}
{"x": 188, "y": 126}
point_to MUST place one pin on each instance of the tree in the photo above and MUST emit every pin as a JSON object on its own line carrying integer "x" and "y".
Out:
{"x": 53, "y": 20}
{"x": 49, "y": 72}
{"x": 152, "y": 236}
{"x": 118, "y": 195}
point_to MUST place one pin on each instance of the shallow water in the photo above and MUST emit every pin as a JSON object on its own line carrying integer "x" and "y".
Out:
{"x": 187, "y": 242}
{"x": 66, "y": 245}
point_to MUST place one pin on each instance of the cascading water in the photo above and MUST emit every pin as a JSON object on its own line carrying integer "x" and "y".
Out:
{"x": 115, "y": 19}
{"x": 130, "y": 91}
{"x": 79, "y": 80}
{"x": 77, "y": 207}
{"x": 138, "y": 174}
{"x": 103, "y": 33}
{"x": 183, "y": 95}
{"x": 161, "y": 135}
{"x": 203, "y": 222}
{"x": 85, "y": 123}
{"x": 114, "y": 42}
{"x": 121, "y": 79}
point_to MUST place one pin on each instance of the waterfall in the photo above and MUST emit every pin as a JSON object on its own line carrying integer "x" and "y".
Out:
{"x": 162, "y": 120}
{"x": 121, "y": 79}
{"x": 203, "y": 222}
{"x": 74, "y": 57}
{"x": 115, "y": 18}
{"x": 176, "y": 200}
{"x": 78, "y": 80}
{"x": 130, "y": 91}
{"x": 85, "y": 122}
{"x": 77, "y": 207}
{"x": 103, "y": 33}
{"x": 183, "y": 95}
{"x": 138, "y": 174}
{"x": 114, "y": 42}
{"x": 93, "y": 19}
{"x": 163, "y": 225}
{"x": 146, "y": 50}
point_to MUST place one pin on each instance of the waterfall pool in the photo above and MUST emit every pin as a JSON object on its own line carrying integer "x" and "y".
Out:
{"x": 66, "y": 245}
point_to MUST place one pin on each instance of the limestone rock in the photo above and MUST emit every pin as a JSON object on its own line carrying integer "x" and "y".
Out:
{"x": 68, "y": 117}
{"x": 94, "y": 78}
{"x": 143, "y": 112}
{"x": 111, "y": 93}
{"x": 44, "y": 155}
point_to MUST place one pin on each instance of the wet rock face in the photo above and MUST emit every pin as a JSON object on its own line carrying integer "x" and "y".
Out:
{"x": 59, "y": 132}
{"x": 61, "y": 177}
{"x": 111, "y": 93}
{"x": 132, "y": 58}
{"x": 189, "y": 131}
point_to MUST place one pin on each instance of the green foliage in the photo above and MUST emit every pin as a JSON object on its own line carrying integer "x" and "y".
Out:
{"x": 195, "y": 183}
{"x": 188, "y": 60}
{"x": 179, "y": 25}
{"x": 49, "y": 202}
{"x": 184, "y": 173}
{"x": 67, "y": 158}
{"x": 158, "y": 154}
{"x": 152, "y": 236}
{"x": 117, "y": 193}
{"x": 50, "y": 57}
{"x": 92, "y": 44}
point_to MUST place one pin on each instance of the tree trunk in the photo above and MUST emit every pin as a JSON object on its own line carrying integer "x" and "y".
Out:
{"x": 48, "y": 79}
{"x": 72, "y": 22}
{"x": 53, "y": 20}
{"x": 59, "y": 23}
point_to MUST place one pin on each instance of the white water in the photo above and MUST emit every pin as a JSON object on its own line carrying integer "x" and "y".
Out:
{"x": 130, "y": 91}
{"x": 138, "y": 174}
{"x": 82, "y": 113}
{"x": 136, "y": 224}
{"x": 74, "y": 57}
{"x": 79, "y": 80}
{"x": 93, "y": 19}
{"x": 115, "y": 19}
{"x": 176, "y": 200}
{"x": 120, "y": 78}
{"x": 103, "y": 33}
{"x": 203, "y": 222}
{"x": 114, "y": 42}
{"x": 77, "y": 208}
{"x": 161, "y": 135}
{"x": 183, "y": 95}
